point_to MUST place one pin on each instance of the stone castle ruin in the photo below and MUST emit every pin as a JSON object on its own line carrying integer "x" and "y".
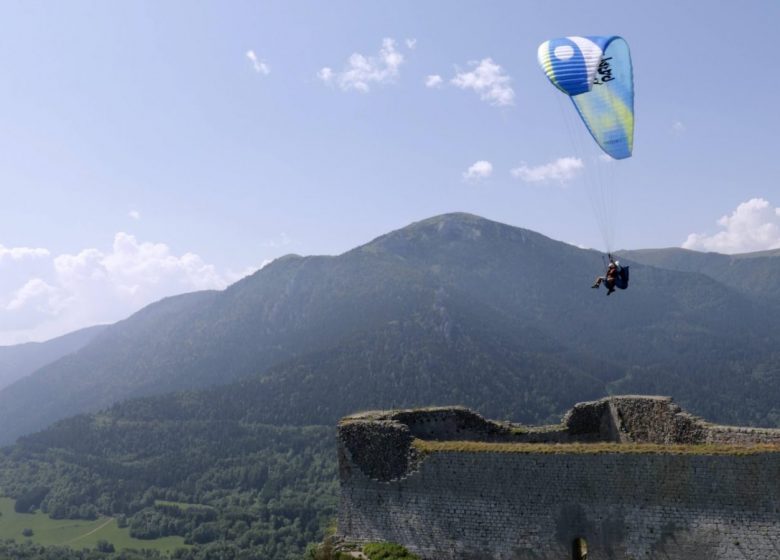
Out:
{"x": 620, "y": 478}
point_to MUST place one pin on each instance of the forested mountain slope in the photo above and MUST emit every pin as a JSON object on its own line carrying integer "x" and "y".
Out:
{"x": 453, "y": 309}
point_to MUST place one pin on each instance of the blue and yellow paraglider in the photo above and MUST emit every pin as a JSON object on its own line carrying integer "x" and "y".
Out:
{"x": 596, "y": 73}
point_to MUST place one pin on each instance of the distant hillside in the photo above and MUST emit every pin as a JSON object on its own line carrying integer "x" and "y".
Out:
{"x": 757, "y": 274}
{"x": 453, "y": 309}
{"x": 231, "y": 489}
{"x": 20, "y": 360}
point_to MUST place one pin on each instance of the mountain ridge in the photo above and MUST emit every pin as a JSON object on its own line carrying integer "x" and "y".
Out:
{"x": 756, "y": 273}
{"x": 19, "y": 360}
{"x": 498, "y": 298}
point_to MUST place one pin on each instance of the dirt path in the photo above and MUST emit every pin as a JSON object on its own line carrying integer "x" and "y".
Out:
{"x": 95, "y": 530}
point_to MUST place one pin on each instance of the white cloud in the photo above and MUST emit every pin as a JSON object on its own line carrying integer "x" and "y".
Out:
{"x": 53, "y": 294}
{"x": 325, "y": 74}
{"x": 480, "y": 170}
{"x": 753, "y": 226}
{"x": 36, "y": 291}
{"x": 489, "y": 80}
{"x": 411, "y": 44}
{"x": 259, "y": 66}
{"x": 433, "y": 81}
{"x": 363, "y": 71}
{"x": 561, "y": 170}
{"x": 678, "y": 127}
{"x": 19, "y": 253}
{"x": 134, "y": 214}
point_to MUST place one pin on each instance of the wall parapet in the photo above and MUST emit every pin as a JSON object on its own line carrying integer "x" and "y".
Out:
{"x": 380, "y": 442}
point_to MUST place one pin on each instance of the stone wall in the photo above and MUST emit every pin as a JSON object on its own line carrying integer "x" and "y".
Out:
{"x": 695, "y": 503}
{"x": 452, "y": 423}
{"x": 525, "y": 506}
{"x": 741, "y": 436}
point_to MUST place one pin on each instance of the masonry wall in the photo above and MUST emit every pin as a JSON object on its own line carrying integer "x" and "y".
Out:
{"x": 531, "y": 503}
{"x": 459, "y": 505}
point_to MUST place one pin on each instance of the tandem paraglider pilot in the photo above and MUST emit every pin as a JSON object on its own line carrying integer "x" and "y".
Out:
{"x": 616, "y": 277}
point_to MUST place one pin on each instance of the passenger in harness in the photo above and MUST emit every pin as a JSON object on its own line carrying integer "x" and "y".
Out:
{"x": 616, "y": 277}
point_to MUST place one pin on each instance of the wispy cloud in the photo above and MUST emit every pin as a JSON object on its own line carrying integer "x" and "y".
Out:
{"x": 433, "y": 81}
{"x": 134, "y": 214}
{"x": 678, "y": 127}
{"x": 259, "y": 66}
{"x": 479, "y": 170}
{"x": 325, "y": 74}
{"x": 561, "y": 170}
{"x": 281, "y": 240}
{"x": 411, "y": 44}
{"x": 753, "y": 226}
{"x": 488, "y": 80}
{"x": 361, "y": 72}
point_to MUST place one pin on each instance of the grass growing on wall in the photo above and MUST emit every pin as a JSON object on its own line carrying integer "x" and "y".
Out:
{"x": 592, "y": 448}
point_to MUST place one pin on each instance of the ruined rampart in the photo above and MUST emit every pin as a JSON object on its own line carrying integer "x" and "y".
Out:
{"x": 626, "y": 477}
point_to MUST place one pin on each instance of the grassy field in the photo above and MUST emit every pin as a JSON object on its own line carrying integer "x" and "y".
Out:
{"x": 75, "y": 533}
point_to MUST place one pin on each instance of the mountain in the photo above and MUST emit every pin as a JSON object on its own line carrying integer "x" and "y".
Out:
{"x": 757, "y": 274}
{"x": 20, "y": 360}
{"x": 453, "y": 309}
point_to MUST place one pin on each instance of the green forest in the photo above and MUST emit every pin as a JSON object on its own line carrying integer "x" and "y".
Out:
{"x": 230, "y": 489}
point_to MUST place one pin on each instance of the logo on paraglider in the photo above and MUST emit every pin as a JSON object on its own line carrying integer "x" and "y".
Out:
{"x": 604, "y": 72}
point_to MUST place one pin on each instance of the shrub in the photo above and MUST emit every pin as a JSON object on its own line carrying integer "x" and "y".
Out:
{"x": 104, "y": 546}
{"x": 325, "y": 551}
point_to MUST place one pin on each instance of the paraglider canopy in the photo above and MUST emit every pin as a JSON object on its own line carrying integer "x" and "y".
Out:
{"x": 596, "y": 72}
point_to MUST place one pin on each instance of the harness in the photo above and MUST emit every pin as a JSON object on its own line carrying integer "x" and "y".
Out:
{"x": 621, "y": 278}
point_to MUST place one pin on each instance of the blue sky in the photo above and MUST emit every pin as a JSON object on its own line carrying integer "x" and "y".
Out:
{"x": 144, "y": 152}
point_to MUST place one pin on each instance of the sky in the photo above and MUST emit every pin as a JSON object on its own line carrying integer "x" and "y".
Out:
{"x": 154, "y": 148}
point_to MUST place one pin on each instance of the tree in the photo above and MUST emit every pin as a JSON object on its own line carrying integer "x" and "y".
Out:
{"x": 104, "y": 546}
